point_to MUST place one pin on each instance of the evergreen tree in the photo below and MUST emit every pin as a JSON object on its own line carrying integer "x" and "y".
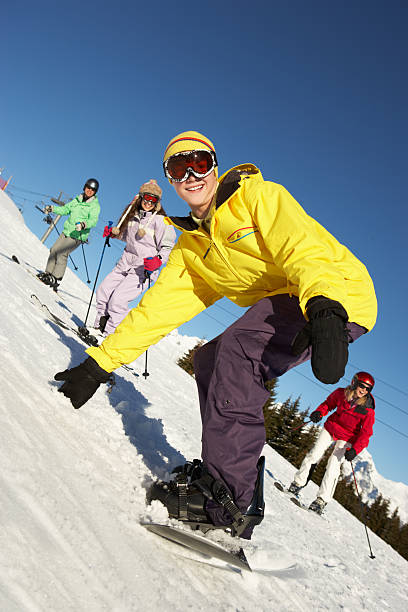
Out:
{"x": 187, "y": 361}
{"x": 403, "y": 541}
{"x": 392, "y": 529}
{"x": 271, "y": 386}
{"x": 346, "y": 495}
{"x": 378, "y": 515}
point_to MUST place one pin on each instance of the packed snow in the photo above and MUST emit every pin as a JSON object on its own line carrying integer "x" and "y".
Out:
{"x": 74, "y": 481}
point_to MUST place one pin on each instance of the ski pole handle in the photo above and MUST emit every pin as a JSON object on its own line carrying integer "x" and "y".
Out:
{"x": 108, "y": 229}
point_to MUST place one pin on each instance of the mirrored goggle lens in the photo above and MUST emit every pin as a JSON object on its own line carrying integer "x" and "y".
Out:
{"x": 200, "y": 163}
{"x": 149, "y": 197}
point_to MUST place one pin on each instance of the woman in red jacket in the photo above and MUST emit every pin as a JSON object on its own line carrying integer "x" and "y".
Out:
{"x": 350, "y": 427}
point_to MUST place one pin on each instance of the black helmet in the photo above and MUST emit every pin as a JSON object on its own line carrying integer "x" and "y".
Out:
{"x": 92, "y": 184}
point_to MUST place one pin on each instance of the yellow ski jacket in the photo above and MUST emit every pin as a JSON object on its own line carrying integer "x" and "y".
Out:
{"x": 261, "y": 243}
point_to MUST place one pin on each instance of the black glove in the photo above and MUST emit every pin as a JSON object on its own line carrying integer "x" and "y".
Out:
{"x": 82, "y": 382}
{"x": 315, "y": 416}
{"x": 350, "y": 454}
{"x": 326, "y": 333}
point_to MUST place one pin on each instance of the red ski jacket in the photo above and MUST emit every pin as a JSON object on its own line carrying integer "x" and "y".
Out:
{"x": 350, "y": 422}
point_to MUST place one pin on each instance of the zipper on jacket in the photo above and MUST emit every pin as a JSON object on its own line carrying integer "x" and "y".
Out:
{"x": 212, "y": 243}
{"x": 221, "y": 256}
{"x": 208, "y": 250}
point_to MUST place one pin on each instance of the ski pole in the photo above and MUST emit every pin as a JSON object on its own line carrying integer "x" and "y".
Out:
{"x": 106, "y": 234}
{"x": 362, "y": 517}
{"x": 301, "y": 425}
{"x": 72, "y": 261}
{"x": 86, "y": 267}
{"x": 146, "y": 373}
{"x": 83, "y": 328}
{"x": 125, "y": 214}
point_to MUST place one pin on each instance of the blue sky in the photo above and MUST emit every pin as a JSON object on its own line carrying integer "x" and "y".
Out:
{"x": 313, "y": 93}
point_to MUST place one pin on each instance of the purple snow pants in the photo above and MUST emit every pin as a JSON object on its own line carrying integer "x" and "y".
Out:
{"x": 230, "y": 373}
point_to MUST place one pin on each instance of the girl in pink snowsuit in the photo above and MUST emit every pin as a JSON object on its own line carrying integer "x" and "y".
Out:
{"x": 146, "y": 235}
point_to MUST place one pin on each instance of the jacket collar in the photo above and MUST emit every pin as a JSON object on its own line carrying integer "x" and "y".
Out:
{"x": 88, "y": 201}
{"x": 228, "y": 184}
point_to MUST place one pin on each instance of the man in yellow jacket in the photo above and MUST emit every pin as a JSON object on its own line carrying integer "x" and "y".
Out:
{"x": 246, "y": 239}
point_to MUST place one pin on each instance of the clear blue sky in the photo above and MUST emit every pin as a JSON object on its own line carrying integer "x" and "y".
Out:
{"x": 314, "y": 93}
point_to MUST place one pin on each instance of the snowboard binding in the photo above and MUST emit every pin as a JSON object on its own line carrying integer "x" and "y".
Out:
{"x": 186, "y": 496}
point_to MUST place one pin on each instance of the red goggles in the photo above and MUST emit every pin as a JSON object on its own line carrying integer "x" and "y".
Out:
{"x": 150, "y": 197}
{"x": 199, "y": 163}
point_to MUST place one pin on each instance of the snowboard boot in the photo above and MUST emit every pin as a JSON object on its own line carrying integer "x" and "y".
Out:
{"x": 318, "y": 505}
{"x": 182, "y": 499}
{"x": 185, "y": 498}
{"x": 294, "y": 488}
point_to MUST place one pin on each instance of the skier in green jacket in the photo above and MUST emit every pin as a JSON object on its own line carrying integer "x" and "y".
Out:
{"x": 83, "y": 214}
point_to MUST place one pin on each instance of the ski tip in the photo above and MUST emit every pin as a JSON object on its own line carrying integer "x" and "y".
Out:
{"x": 279, "y": 486}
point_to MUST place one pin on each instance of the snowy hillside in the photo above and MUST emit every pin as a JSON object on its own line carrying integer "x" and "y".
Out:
{"x": 371, "y": 483}
{"x": 73, "y": 482}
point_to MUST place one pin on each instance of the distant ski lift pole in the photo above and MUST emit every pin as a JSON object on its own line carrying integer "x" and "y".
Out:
{"x": 55, "y": 221}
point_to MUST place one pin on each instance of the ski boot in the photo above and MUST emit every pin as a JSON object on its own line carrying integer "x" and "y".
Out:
{"x": 318, "y": 505}
{"x": 295, "y": 489}
{"x": 102, "y": 323}
{"x": 186, "y": 496}
{"x": 49, "y": 279}
{"x": 43, "y": 277}
{"x": 53, "y": 282}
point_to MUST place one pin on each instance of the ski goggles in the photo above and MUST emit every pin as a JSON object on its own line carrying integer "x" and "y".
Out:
{"x": 364, "y": 386}
{"x": 200, "y": 163}
{"x": 150, "y": 197}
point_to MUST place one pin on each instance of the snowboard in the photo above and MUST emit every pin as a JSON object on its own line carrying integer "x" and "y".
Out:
{"x": 191, "y": 546}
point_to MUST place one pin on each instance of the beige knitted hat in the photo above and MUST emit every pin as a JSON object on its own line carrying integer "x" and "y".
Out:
{"x": 151, "y": 187}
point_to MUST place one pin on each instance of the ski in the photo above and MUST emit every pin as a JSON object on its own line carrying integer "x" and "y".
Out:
{"x": 299, "y": 504}
{"x": 82, "y": 332}
{"x": 85, "y": 336}
{"x": 16, "y": 260}
{"x": 295, "y": 500}
{"x": 197, "y": 548}
{"x": 282, "y": 488}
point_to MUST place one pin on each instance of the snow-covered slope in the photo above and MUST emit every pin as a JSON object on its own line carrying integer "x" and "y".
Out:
{"x": 371, "y": 483}
{"x": 73, "y": 481}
